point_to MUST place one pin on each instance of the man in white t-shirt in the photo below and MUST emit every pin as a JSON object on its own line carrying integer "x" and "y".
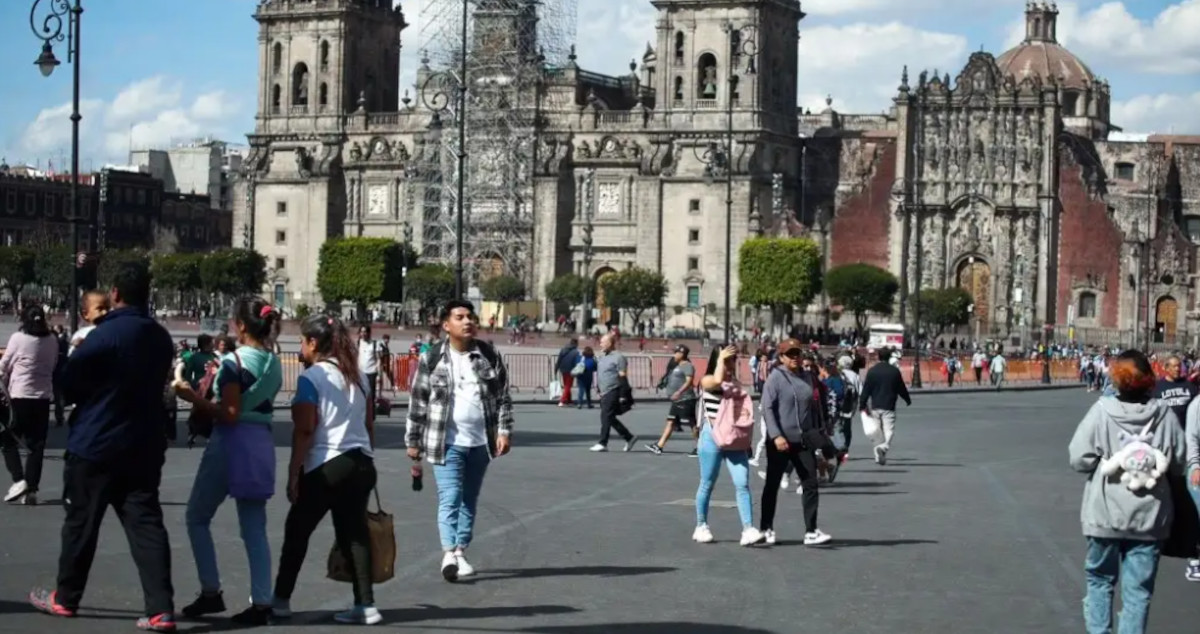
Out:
{"x": 369, "y": 353}
{"x": 978, "y": 360}
{"x": 999, "y": 364}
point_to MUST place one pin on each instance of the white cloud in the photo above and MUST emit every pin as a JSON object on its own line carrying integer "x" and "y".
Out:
{"x": 860, "y": 64}
{"x": 1158, "y": 114}
{"x": 151, "y": 112}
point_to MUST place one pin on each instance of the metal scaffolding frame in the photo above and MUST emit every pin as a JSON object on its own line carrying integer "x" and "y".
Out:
{"x": 486, "y": 127}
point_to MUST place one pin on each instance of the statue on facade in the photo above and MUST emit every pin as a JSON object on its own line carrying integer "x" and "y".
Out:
{"x": 302, "y": 163}
{"x": 356, "y": 151}
{"x": 710, "y": 82}
{"x": 302, "y": 89}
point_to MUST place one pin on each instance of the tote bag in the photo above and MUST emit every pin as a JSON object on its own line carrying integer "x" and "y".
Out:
{"x": 382, "y": 545}
{"x": 250, "y": 459}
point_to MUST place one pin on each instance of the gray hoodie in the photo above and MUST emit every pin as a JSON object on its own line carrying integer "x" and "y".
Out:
{"x": 1110, "y": 509}
{"x": 1192, "y": 432}
{"x": 786, "y": 405}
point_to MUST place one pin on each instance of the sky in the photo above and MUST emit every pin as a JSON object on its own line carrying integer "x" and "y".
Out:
{"x": 157, "y": 71}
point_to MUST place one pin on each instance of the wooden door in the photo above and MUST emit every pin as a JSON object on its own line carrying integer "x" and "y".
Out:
{"x": 975, "y": 278}
{"x": 1167, "y": 316}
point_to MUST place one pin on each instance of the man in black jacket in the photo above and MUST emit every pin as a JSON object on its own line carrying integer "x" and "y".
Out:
{"x": 882, "y": 387}
{"x": 115, "y": 451}
{"x": 568, "y": 356}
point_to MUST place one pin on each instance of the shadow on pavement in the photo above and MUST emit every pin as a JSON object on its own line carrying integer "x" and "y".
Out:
{"x": 573, "y": 571}
{"x": 838, "y": 544}
{"x": 543, "y": 439}
{"x": 433, "y": 612}
{"x": 851, "y": 484}
{"x": 668, "y": 627}
{"x": 912, "y": 462}
{"x": 837, "y": 490}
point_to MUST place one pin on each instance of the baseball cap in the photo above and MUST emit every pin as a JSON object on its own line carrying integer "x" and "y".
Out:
{"x": 684, "y": 349}
{"x": 787, "y": 345}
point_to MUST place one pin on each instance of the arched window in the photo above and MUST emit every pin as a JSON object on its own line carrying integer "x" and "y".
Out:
{"x": 679, "y": 47}
{"x": 707, "y": 82}
{"x": 276, "y": 58}
{"x": 300, "y": 85}
{"x": 1070, "y": 105}
{"x": 276, "y": 98}
{"x": 1087, "y": 305}
{"x": 323, "y": 95}
{"x": 734, "y": 93}
{"x": 678, "y": 88}
{"x": 324, "y": 56}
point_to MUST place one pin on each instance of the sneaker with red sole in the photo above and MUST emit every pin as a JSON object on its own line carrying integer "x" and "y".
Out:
{"x": 164, "y": 622}
{"x": 45, "y": 601}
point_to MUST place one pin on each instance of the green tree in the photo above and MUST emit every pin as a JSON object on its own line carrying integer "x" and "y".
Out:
{"x": 503, "y": 289}
{"x": 361, "y": 270}
{"x": 943, "y": 308}
{"x": 110, "y": 261}
{"x": 778, "y": 273}
{"x": 53, "y": 267}
{"x": 16, "y": 271}
{"x": 634, "y": 289}
{"x": 569, "y": 289}
{"x": 177, "y": 272}
{"x": 430, "y": 285}
{"x": 861, "y": 289}
{"x": 233, "y": 272}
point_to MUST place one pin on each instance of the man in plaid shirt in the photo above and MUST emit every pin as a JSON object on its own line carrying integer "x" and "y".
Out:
{"x": 459, "y": 418}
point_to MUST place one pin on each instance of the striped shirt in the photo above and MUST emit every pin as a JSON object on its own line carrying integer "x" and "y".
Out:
{"x": 712, "y": 404}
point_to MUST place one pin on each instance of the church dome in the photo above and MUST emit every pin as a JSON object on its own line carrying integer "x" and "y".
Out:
{"x": 1040, "y": 55}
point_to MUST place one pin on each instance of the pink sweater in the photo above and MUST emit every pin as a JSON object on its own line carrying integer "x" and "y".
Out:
{"x": 27, "y": 367}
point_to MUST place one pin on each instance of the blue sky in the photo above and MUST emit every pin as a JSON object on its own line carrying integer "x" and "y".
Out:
{"x": 154, "y": 70}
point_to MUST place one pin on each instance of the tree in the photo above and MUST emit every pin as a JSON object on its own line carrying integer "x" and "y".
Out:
{"x": 177, "y": 272}
{"x": 861, "y": 289}
{"x": 54, "y": 266}
{"x": 430, "y": 285}
{"x": 16, "y": 271}
{"x": 570, "y": 289}
{"x": 110, "y": 261}
{"x": 943, "y": 308}
{"x": 361, "y": 270}
{"x": 634, "y": 289}
{"x": 233, "y": 272}
{"x": 503, "y": 289}
{"x": 778, "y": 273}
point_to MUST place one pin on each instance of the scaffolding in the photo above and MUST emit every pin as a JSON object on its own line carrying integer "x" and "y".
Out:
{"x": 508, "y": 46}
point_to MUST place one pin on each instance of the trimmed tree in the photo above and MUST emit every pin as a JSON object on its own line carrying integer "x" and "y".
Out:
{"x": 503, "y": 289}
{"x": 233, "y": 272}
{"x": 54, "y": 266}
{"x": 943, "y": 308}
{"x": 861, "y": 289}
{"x": 177, "y": 272}
{"x": 635, "y": 289}
{"x": 112, "y": 260}
{"x": 16, "y": 271}
{"x": 430, "y": 285}
{"x": 779, "y": 274}
{"x": 569, "y": 289}
{"x": 361, "y": 270}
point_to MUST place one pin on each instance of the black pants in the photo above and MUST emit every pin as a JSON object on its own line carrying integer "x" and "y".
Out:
{"x": 372, "y": 379}
{"x": 979, "y": 375}
{"x": 59, "y": 400}
{"x": 608, "y": 418}
{"x": 805, "y": 463}
{"x": 31, "y": 419}
{"x": 950, "y": 379}
{"x": 342, "y": 485}
{"x": 130, "y": 486}
{"x": 846, "y": 426}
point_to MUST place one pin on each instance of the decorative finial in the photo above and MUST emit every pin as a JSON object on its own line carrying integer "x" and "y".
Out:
{"x": 362, "y": 100}
{"x": 829, "y": 100}
{"x": 572, "y": 57}
{"x": 425, "y": 59}
{"x": 904, "y": 80}
{"x": 633, "y": 66}
{"x": 406, "y": 99}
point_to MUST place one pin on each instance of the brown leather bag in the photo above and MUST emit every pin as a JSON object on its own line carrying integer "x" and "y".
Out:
{"x": 383, "y": 549}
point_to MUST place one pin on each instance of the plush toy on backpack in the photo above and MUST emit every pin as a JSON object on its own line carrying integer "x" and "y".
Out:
{"x": 1141, "y": 463}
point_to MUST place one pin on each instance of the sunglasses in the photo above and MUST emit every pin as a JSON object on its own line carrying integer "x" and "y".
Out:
{"x": 792, "y": 354}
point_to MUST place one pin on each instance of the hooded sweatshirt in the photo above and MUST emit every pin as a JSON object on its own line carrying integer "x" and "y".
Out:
{"x": 1110, "y": 510}
{"x": 1192, "y": 433}
{"x": 787, "y": 402}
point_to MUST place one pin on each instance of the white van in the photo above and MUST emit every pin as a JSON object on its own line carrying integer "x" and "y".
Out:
{"x": 885, "y": 336}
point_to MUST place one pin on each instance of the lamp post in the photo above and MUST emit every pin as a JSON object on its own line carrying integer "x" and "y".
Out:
{"x": 717, "y": 160}
{"x": 585, "y": 311}
{"x": 48, "y": 25}
{"x": 438, "y": 99}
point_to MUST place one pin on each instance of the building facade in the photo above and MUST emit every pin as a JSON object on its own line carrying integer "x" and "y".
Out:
{"x": 1001, "y": 180}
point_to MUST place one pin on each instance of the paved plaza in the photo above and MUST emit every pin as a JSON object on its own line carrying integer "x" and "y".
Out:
{"x": 971, "y": 527}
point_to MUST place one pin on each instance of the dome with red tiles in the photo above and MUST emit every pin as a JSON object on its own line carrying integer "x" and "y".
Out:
{"x": 1040, "y": 55}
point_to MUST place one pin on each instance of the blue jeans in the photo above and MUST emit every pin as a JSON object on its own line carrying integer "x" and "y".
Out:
{"x": 710, "y": 457}
{"x": 459, "y": 482}
{"x": 208, "y": 492}
{"x": 584, "y": 383}
{"x": 1137, "y": 562}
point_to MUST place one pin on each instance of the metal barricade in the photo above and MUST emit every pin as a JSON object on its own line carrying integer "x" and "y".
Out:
{"x": 529, "y": 372}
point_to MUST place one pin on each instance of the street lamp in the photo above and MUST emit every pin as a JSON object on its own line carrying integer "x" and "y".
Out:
{"x": 47, "y": 25}
{"x": 717, "y": 160}
{"x": 589, "y": 180}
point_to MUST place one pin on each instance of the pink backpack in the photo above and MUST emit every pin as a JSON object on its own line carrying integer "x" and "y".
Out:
{"x": 733, "y": 426}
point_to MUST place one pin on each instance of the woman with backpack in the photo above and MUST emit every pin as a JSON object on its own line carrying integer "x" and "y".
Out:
{"x": 239, "y": 460}
{"x": 584, "y": 380}
{"x": 727, "y": 416}
{"x": 794, "y": 435}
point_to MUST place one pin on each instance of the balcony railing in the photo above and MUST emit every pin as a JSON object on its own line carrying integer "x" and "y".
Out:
{"x": 299, "y": 109}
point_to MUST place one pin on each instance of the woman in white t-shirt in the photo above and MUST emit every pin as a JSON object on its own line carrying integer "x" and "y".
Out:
{"x": 332, "y": 468}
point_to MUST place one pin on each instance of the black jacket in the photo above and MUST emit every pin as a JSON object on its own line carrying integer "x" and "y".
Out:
{"x": 882, "y": 387}
{"x": 568, "y": 356}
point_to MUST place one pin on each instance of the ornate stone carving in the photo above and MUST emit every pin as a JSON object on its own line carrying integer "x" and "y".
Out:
{"x": 303, "y": 162}
{"x": 584, "y": 150}
{"x": 356, "y": 151}
{"x": 608, "y": 199}
{"x": 377, "y": 200}
{"x": 972, "y": 230}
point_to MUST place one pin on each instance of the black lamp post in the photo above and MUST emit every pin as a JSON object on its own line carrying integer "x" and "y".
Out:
{"x": 49, "y": 28}
{"x": 589, "y": 201}
{"x": 717, "y": 160}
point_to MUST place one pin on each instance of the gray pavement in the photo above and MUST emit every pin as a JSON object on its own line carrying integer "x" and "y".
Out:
{"x": 971, "y": 527}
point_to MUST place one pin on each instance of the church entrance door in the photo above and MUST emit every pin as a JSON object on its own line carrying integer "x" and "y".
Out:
{"x": 974, "y": 276}
{"x": 605, "y": 311}
{"x": 1167, "y": 320}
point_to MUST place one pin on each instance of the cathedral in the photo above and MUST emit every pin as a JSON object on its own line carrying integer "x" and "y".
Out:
{"x": 1000, "y": 180}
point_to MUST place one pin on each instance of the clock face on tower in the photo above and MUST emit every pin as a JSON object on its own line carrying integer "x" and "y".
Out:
{"x": 380, "y": 147}
{"x": 610, "y": 145}
{"x": 377, "y": 200}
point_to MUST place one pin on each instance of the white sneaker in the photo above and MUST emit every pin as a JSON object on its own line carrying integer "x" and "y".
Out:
{"x": 450, "y": 567}
{"x": 879, "y": 459}
{"x": 464, "y": 569}
{"x": 783, "y": 484}
{"x": 16, "y": 491}
{"x": 598, "y": 448}
{"x": 762, "y": 474}
{"x": 752, "y": 536}
{"x": 630, "y": 443}
{"x": 753, "y": 462}
{"x": 359, "y": 615}
{"x": 702, "y": 534}
{"x": 816, "y": 538}
{"x": 799, "y": 489}
{"x": 281, "y": 608}
{"x": 770, "y": 536}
